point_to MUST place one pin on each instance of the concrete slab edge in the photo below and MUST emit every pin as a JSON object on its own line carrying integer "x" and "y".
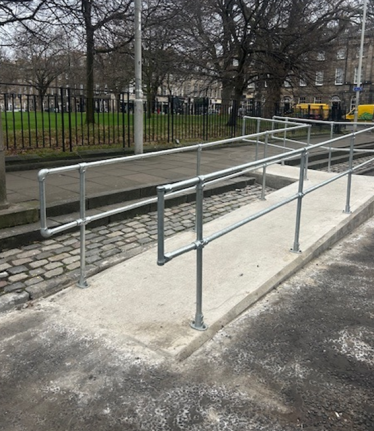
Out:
{"x": 355, "y": 219}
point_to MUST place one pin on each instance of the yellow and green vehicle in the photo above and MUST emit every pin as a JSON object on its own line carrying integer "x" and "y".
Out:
{"x": 364, "y": 113}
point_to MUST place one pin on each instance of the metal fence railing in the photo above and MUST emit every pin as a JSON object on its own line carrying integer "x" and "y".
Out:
{"x": 57, "y": 120}
{"x": 199, "y": 182}
{"x": 333, "y": 129}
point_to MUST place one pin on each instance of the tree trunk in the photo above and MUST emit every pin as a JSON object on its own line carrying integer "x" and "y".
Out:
{"x": 226, "y": 95}
{"x": 271, "y": 106}
{"x": 90, "y": 44}
{"x": 235, "y": 107}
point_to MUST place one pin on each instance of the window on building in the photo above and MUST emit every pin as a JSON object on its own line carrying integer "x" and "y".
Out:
{"x": 318, "y": 99}
{"x": 321, "y": 56}
{"x": 339, "y": 76}
{"x": 319, "y": 78}
{"x": 302, "y": 99}
{"x": 302, "y": 83}
{"x": 340, "y": 55}
{"x": 287, "y": 83}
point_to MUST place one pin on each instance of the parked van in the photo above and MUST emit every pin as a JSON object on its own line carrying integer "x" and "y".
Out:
{"x": 316, "y": 111}
{"x": 364, "y": 113}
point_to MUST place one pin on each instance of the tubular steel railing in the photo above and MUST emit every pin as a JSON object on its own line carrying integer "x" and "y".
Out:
{"x": 331, "y": 125}
{"x": 199, "y": 182}
{"x": 82, "y": 168}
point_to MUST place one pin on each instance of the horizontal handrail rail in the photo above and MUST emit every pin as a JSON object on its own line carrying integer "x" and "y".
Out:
{"x": 310, "y": 120}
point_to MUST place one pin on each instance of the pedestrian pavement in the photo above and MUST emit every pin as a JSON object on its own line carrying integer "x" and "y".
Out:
{"x": 125, "y": 252}
{"x": 130, "y": 174}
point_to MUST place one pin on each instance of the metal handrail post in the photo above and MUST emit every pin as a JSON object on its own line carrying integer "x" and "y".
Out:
{"x": 307, "y": 154}
{"x": 198, "y": 159}
{"x": 198, "y": 172}
{"x": 257, "y": 138}
{"x": 160, "y": 226}
{"x": 330, "y": 148}
{"x": 42, "y": 199}
{"x": 284, "y": 139}
{"x": 82, "y": 283}
{"x": 198, "y": 323}
{"x": 347, "y": 209}
{"x": 296, "y": 243}
{"x": 264, "y": 168}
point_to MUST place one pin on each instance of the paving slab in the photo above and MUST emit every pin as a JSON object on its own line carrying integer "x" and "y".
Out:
{"x": 154, "y": 305}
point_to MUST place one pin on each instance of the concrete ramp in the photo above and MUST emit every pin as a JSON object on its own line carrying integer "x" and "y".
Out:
{"x": 139, "y": 301}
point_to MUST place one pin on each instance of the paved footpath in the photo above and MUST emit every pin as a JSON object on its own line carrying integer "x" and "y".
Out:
{"x": 43, "y": 268}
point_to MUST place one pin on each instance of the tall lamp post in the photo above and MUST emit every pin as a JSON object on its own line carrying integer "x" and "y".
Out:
{"x": 358, "y": 88}
{"x": 138, "y": 106}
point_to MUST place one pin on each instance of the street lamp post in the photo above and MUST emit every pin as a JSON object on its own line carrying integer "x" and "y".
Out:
{"x": 358, "y": 88}
{"x": 138, "y": 105}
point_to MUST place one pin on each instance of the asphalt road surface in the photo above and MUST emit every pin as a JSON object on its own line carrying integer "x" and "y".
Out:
{"x": 301, "y": 358}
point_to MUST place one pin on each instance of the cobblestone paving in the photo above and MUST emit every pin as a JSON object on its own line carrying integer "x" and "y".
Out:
{"x": 45, "y": 267}
{"x": 340, "y": 167}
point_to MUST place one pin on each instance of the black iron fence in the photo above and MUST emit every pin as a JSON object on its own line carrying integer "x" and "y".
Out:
{"x": 57, "y": 120}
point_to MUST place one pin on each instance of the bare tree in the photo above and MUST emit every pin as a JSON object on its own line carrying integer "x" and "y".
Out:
{"x": 11, "y": 12}
{"x": 160, "y": 59}
{"x": 220, "y": 38}
{"x": 289, "y": 44}
{"x": 16, "y": 11}
{"x": 42, "y": 58}
{"x": 252, "y": 41}
{"x": 90, "y": 22}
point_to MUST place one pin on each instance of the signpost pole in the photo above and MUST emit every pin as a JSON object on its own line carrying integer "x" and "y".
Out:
{"x": 358, "y": 88}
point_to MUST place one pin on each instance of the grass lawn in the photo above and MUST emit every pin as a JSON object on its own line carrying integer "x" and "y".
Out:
{"x": 28, "y": 131}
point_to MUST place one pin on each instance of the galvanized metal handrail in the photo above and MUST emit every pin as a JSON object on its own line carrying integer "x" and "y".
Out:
{"x": 332, "y": 124}
{"x": 83, "y": 220}
{"x": 201, "y": 181}
{"x": 285, "y": 139}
